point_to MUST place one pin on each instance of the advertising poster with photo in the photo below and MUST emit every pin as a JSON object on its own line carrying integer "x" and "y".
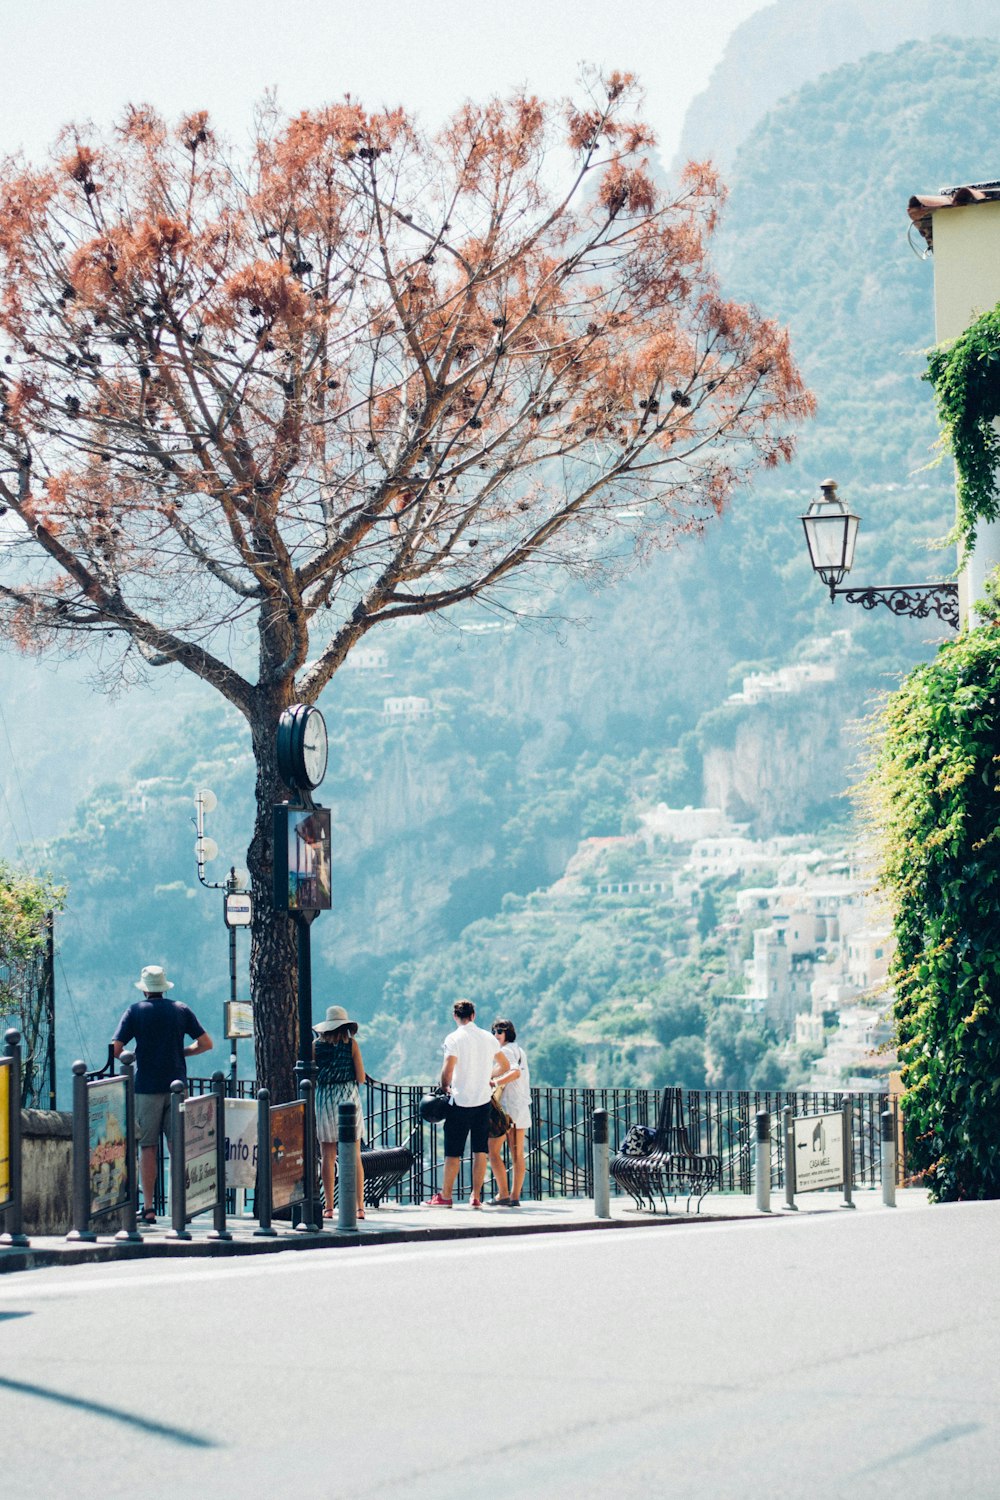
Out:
{"x": 5, "y": 1074}
{"x": 309, "y": 862}
{"x": 201, "y": 1174}
{"x": 109, "y": 1166}
{"x": 288, "y": 1153}
{"x": 241, "y": 1144}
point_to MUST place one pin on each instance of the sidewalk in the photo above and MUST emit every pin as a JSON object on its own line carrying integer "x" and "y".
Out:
{"x": 404, "y": 1223}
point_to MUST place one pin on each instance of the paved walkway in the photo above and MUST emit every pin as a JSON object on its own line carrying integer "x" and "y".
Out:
{"x": 396, "y": 1223}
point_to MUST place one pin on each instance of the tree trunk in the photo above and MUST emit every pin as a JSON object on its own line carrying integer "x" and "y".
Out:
{"x": 273, "y": 939}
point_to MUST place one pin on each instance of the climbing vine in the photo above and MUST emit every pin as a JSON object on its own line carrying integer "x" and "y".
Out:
{"x": 25, "y": 901}
{"x": 935, "y": 790}
{"x": 965, "y": 375}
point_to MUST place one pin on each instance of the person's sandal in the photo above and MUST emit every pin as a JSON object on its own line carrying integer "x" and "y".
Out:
{"x": 147, "y": 1216}
{"x": 360, "y": 1214}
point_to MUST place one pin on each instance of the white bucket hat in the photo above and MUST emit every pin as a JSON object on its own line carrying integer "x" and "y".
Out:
{"x": 153, "y": 980}
{"x": 336, "y": 1016}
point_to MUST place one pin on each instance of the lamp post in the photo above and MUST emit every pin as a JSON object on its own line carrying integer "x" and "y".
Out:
{"x": 237, "y": 912}
{"x": 831, "y": 533}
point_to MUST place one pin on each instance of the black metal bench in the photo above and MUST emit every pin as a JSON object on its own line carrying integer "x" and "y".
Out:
{"x": 383, "y": 1167}
{"x": 669, "y": 1165}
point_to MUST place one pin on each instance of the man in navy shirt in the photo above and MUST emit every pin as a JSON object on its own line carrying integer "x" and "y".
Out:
{"x": 158, "y": 1027}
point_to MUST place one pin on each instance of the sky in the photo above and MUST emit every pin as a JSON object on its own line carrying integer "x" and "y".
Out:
{"x": 70, "y": 60}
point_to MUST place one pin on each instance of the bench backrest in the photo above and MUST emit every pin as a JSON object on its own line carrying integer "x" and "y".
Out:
{"x": 671, "y": 1134}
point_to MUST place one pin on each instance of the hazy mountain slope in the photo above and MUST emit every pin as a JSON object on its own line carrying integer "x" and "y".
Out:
{"x": 788, "y": 44}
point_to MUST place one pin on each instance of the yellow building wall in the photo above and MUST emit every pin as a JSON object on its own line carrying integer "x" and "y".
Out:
{"x": 966, "y": 266}
{"x": 967, "y": 284}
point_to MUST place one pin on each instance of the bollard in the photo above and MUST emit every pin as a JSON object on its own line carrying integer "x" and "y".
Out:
{"x": 307, "y": 1224}
{"x": 763, "y": 1162}
{"x": 262, "y": 1196}
{"x": 789, "y": 1138}
{"x": 888, "y": 1158}
{"x": 130, "y": 1233}
{"x": 178, "y": 1196}
{"x": 602, "y": 1179}
{"x": 81, "y": 1158}
{"x": 219, "y": 1230}
{"x": 347, "y": 1167}
{"x": 14, "y": 1212}
{"x": 848, "y": 1155}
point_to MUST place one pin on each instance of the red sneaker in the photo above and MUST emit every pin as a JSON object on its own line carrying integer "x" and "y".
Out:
{"x": 438, "y": 1201}
{"x": 475, "y": 1203}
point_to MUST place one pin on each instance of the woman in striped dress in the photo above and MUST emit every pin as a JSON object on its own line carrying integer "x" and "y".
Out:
{"x": 339, "y": 1071}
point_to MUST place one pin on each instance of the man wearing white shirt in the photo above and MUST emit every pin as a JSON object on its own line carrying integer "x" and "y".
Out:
{"x": 469, "y": 1056}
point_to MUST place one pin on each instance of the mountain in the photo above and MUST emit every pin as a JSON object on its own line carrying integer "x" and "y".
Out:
{"x": 527, "y": 740}
{"x": 778, "y": 49}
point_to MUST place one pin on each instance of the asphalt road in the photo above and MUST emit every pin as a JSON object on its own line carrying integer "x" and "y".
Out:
{"x": 837, "y": 1355}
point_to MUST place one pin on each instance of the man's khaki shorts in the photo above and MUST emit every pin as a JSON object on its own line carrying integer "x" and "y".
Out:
{"x": 152, "y": 1117}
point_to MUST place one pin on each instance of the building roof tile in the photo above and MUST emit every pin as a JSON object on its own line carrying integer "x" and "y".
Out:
{"x": 922, "y": 206}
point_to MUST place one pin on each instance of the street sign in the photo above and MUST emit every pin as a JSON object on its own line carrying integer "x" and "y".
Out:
{"x": 201, "y": 1177}
{"x": 238, "y": 909}
{"x": 241, "y": 1143}
{"x": 819, "y": 1151}
{"x": 239, "y": 1019}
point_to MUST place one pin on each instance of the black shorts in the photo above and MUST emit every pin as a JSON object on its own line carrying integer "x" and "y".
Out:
{"x": 460, "y": 1123}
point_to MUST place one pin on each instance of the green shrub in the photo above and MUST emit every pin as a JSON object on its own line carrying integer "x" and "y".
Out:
{"x": 936, "y": 792}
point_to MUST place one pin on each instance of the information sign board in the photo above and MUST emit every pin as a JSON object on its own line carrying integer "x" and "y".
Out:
{"x": 818, "y": 1151}
{"x": 241, "y": 1143}
{"x": 6, "y": 1070}
{"x": 239, "y": 1020}
{"x": 238, "y": 909}
{"x": 201, "y": 1172}
{"x": 288, "y": 1154}
{"x": 107, "y": 1104}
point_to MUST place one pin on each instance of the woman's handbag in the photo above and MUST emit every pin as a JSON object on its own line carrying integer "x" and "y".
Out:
{"x": 500, "y": 1120}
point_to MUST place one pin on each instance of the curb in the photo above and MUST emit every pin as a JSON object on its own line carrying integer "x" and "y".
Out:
{"x": 36, "y": 1257}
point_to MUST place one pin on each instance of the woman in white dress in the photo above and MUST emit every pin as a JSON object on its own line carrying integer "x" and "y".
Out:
{"x": 516, "y": 1100}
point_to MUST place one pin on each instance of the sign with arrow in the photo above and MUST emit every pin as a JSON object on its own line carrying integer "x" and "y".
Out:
{"x": 819, "y": 1151}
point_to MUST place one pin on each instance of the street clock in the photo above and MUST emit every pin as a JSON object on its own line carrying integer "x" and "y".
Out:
{"x": 302, "y": 747}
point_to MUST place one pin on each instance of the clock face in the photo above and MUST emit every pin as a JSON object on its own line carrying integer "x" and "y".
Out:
{"x": 315, "y": 747}
{"x": 302, "y": 746}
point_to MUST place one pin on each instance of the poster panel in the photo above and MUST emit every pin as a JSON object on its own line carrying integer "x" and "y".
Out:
{"x": 819, "y": 1151}
{"x": 302, "y": 858}
{"x": 109, "y": 1166}
{"x": 288, "y": 1154}
{"x": 201, "y": 1172}
{"x": 241, "y": 1143}
{"x": 6, "y": 1070}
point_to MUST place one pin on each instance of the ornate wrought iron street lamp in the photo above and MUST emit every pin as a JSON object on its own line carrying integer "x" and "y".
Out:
{"x": 831, "y": 533}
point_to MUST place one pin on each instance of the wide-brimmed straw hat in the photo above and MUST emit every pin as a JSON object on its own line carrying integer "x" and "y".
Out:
{"x": 336, "y": 1017}
{"x": 153, "y": 980}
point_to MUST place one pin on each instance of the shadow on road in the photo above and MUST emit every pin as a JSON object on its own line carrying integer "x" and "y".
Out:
{"x": 157, "y": 1429}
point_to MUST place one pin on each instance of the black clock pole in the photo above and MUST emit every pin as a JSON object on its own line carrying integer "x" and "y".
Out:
{"x": 303, "y": 922}
{"x": 302, "y": 749}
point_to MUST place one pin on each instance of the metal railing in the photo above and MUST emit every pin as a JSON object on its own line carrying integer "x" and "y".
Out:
{"x": 560, "y": 1142}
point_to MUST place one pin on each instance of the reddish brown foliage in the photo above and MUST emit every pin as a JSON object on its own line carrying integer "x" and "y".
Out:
{"x": 257, "y": 367}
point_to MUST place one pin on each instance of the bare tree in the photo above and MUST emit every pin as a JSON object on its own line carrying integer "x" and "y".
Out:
{"x": 254, "y": 408}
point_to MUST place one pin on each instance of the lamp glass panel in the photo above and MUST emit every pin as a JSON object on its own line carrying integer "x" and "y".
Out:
{"x": 831, "y": 540}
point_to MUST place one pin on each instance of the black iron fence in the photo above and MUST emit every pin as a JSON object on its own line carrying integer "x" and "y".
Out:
{"x": 560, "y": 1142}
